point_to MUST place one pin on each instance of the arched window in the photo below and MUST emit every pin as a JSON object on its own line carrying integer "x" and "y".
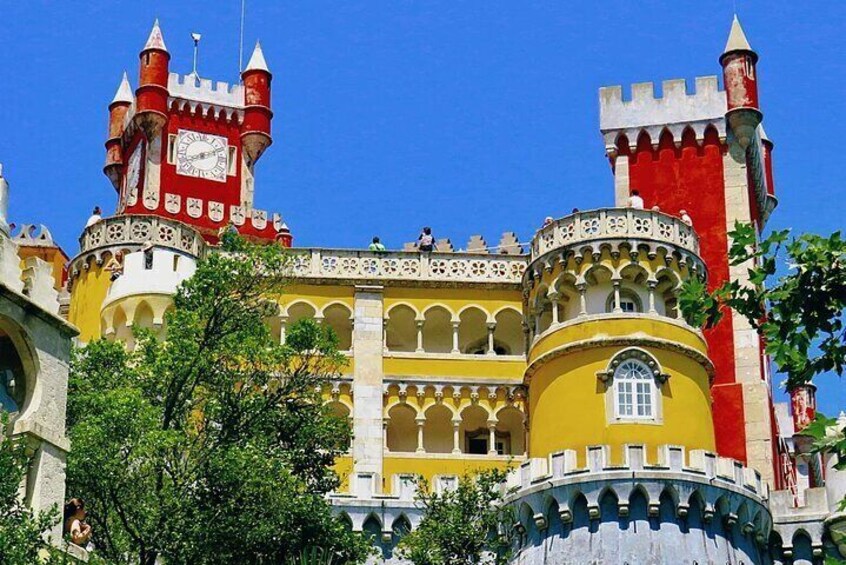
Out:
{"x": 634, "y": 390}
{"x": 629, "y": 302}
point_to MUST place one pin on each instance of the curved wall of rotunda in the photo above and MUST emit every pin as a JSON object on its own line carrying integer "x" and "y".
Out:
{"x": 610, "y": 361}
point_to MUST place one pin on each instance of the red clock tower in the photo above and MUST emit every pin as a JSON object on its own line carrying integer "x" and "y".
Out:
{"x": 185, "y": 148}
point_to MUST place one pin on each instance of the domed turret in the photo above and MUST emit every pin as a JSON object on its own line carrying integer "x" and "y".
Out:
{"x": 117, "y": 115}
{"x": 255, "y": 130}
{"x": 741, "y": 83}
{"x": 606, "y": 338}
{"x": 151, "y": 112}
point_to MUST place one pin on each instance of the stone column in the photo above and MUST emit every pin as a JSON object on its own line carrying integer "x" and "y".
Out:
{"x": 747, "y": 345}
{"x": 456, "y": 436}
{"x": 368, "y": 444}
{"x": 492, "y": 438}
{"x": 651, "y": 286}
{"x": 385, "y": 335}
{"x": 621, "y": 181}
{"x": 455, "y": 326}
{"x": 419, "y": 336}
{"x": 385, "y": 435}
{"x": 617, "y": 308}
{"x": 420, "y": 423}
{"x": 553, "y": 299}
{"x": 283, "y": 327}
{"x": 491, "y": 330}
{"x": 582, "y": 288}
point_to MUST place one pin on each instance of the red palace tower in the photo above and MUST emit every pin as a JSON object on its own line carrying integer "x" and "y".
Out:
{"x": 184, "y": 148}
{"x": 706, "y": 152}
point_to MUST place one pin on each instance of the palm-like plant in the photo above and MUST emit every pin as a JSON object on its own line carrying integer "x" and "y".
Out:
{"x": 313, "y": 556}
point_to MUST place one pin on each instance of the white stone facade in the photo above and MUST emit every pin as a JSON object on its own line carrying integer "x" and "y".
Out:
{"x": 36, "y": 346}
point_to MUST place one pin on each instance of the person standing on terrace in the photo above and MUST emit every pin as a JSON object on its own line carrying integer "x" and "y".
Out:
{"x": 426, "y": 241}
{"x": 376, "y": 245}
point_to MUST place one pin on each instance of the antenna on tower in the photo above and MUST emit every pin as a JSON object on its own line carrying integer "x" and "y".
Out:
{"x": 196, "y": 37}
{"x": 241, "y": 37}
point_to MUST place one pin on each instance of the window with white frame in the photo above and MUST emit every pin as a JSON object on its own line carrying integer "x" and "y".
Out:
{"x": 634, "y": 391}
{"x": 629, "y": 302}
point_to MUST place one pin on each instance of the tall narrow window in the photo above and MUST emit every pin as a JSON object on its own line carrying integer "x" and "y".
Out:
{"x": 634, "y": 390}
{"x": 171, "y": 144}
{"x": 232, "y": 162}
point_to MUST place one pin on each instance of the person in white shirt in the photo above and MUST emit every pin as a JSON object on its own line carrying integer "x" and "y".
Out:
{"x": 96, "y": 216}
{"x": 635, "y": 201}
{"x": 685, "y": 218}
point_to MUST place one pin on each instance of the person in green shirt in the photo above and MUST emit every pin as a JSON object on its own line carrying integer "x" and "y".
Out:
{"x": 376, "y": 245}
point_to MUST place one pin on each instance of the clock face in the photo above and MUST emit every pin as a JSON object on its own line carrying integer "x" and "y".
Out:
{"x": 133, "y": 168}
{"x": 202, "y": 155}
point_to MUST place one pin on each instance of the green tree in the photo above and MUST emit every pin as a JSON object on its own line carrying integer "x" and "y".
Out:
{"x": 799, "y": 314}
{"x": 21, "y": 529}
{"x": 212, "y": 444}
{"x": 469, "y": 525}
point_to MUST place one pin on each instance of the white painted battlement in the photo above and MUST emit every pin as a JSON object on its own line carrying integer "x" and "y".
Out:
{"x": 675, "y": 109}
{"x": 140, "y": 276}
{"x": 35, "y": 280}
{"x": 219, "y": 93}
{"x": 814, "y": 502}
{"x": 672, "y": 461}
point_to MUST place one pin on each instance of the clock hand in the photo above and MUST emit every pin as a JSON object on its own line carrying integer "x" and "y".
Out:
{"x": 202, "y": 155}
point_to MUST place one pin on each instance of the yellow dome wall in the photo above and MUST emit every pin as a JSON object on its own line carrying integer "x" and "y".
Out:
{"x": 88, "y": 292}
{"x": 568, "y": 403}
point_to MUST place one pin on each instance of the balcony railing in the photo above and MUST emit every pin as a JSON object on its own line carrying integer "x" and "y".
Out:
{"x": 614, "y": 224}
{"x": 341, "y": 264}
{"x": 132, "y": 231}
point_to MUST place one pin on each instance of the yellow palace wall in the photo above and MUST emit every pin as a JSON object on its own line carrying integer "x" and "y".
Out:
{"x": 87, "y": 296}
{"x": 568, "y": 407}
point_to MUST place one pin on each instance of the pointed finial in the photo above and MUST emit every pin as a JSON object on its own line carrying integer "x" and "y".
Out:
{"x": 156, "y": 40}
{"x": 257, "y": 62}
{"x": 737, "y": 39}
{"x": 124, "y": 91}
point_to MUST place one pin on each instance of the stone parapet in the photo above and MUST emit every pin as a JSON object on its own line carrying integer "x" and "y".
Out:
{"x": 674, "y": 462}
{"x": 343, "y": 266}
{"x": 791, "y": 520}
{"x": 128, "y": 233}
{"x": 674, "y": 111}
{"x": 707, "y": 508}
{"x": 595, "y": 228}
{"x": 205, "y": 93}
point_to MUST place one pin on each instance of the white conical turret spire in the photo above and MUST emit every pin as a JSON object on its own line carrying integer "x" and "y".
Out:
{"x": 124, "y": 91}
{"x": 156, "y": 40}
{"x": 257, "y": 62}
{"x": 737, "y": 39}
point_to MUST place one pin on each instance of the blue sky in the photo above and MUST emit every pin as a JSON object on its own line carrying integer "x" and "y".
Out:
{"x": 471, "y": 117}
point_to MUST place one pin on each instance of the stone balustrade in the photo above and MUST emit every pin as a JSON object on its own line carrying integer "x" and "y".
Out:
{"x": 698, "y": 465}
{"x": 607, "y": 224}
{"x": 129, "y": 233}
{"x": 338, "y": 265}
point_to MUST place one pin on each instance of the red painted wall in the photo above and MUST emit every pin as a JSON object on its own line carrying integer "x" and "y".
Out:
{"x": 190, "y": 187}
{"x": 228, "y": 193}
{"x": 690, "y": 178}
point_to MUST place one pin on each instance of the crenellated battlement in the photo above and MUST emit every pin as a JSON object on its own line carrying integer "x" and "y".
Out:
{"x": 35, "y": 280}
{"x": 675, "y": 110}
{"x": 697, "y": 465}
{"x": 218, "y": 93}
{"x": 791, "y": 520}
